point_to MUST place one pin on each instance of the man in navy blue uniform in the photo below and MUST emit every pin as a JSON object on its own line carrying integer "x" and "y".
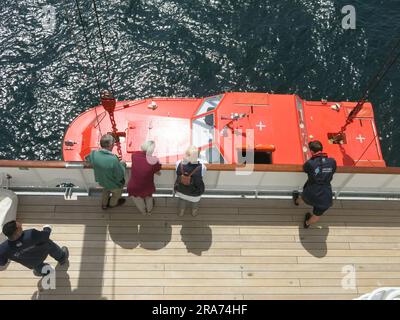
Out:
{"x": 30, "y": 247}
{"x": 317, "y": 191}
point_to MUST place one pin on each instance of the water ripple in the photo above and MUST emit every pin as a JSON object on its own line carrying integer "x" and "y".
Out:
{"x": 186, "y": 48}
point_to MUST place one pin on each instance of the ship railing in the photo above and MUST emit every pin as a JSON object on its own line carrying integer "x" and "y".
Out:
{"x": 263, "y": 181}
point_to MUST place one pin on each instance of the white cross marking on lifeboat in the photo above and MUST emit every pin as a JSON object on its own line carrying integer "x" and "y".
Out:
{"x": 261, "y": 125}
{"x": 360, "y": 138}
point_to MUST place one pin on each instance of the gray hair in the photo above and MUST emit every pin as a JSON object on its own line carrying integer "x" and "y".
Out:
{"x": 107, "y": 141}
{"x": 191, "y": 155}
{"x": 148, "y": 147}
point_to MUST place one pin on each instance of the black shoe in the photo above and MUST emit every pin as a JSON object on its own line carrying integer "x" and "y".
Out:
{"x": 295, "y": 197}
{"x": 121, "y": 201}
{"x": 306, "y": 218}
{"x": 41, "y": 274}
{"x": 65, "y": 256}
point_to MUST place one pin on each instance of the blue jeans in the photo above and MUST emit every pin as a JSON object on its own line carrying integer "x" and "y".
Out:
{"x": 55, "y": 252}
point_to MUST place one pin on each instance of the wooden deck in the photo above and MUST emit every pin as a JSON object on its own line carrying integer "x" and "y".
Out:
{"x": 234, "y": 249}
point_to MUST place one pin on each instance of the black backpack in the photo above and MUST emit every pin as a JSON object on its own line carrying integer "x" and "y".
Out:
{"x": 186, "y": 184}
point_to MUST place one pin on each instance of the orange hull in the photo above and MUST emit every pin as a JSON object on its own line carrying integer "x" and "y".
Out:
{"x": 278, "y": 128}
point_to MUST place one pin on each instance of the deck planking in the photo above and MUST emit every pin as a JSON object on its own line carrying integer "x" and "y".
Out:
{"x": 234, "y": 249}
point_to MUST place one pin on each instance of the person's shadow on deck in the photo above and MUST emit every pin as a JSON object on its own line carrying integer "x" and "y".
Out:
{"x": 314, "y": 240}
{"x": 147, "y": 234}
{"x": 126, "y": 236}
{"x": 62, "y": 285}
{"x": 199, "y": 242}
{"x": 63, "y": 288}
{"x": 154, "y": 235}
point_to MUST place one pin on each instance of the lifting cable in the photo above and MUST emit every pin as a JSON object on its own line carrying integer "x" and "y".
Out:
{"x": 393, "y": 56}
{"x": 90, "y": 58}
{"x": 372, "y": 85}
{"x": 103, "y": 46}
{"x": 110, "y": 111}
{"x": 101, "y": 95}
{"x": 372, "y": 140}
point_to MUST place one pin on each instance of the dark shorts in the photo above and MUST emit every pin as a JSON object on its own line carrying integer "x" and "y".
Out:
{"x": 316, "y": 211}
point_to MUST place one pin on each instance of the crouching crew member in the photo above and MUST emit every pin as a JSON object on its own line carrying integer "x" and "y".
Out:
{"x": 30, "y": 247}
{"x": 317, "y": 191}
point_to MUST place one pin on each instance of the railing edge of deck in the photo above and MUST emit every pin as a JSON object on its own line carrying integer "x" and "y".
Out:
{"x": 55, "y": 164}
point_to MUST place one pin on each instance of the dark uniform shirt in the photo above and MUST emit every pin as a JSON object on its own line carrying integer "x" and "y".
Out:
{"x": 30, "y": 250}
{"x": 318, "y": 191}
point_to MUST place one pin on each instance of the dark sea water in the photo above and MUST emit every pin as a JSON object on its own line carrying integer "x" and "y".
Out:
{"x": 187, "y": 48}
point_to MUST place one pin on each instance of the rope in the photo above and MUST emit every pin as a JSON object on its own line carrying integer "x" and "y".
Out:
{"x": 373, "y": 139}
{"x": 103, "y": 46}
{"x": 88, "y": 46}
{"x": 90, "y": 59}
{"x": 111, "y": 114}
{"x": 373, "y": 84}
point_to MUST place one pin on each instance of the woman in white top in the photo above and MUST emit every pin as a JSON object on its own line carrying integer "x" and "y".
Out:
{"x": 189, "y": 185}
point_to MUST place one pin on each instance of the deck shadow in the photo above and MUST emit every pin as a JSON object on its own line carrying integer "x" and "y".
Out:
{"x": 164, "y": 234}
{"x": 155, "y": 232}
{"x": 150, "y": 235}
{"x": 126, "y": 237}
{"x": 62, "y": 285}
{"x": 88, "y": 287}
{"x": 317, "y": 249}
{"x": 197, "y": 243}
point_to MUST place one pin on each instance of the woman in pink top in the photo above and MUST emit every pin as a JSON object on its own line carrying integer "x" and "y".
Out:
{"x": 141, "y": 183}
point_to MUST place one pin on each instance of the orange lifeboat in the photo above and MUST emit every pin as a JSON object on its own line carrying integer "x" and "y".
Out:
{"x": 276, "y": 128}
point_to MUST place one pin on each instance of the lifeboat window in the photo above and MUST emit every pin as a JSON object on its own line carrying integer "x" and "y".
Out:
{"x": 212, "y": 155}
{"x": 256, "y": 157}
{"x": 203, "y": 130}
{"x": 209, "y": 104}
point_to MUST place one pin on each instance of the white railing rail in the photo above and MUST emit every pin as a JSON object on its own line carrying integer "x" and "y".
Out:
{"x": 266, "y": 180}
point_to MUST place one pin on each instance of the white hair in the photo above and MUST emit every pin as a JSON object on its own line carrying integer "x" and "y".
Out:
{"x": 191, "y": 155}
{"x": 148, "y": 147}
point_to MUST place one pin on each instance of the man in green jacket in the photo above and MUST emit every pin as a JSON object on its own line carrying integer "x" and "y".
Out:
{"x": 109, "y": 172}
